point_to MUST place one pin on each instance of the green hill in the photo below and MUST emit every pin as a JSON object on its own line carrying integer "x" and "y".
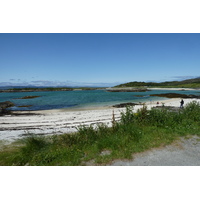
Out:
{"x": 189, "y": 83}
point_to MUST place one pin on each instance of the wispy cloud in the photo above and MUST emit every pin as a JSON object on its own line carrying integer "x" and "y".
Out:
{"x": 45, "y": 83}
{"x": 70, "y": 84}
{"x": 14, "y": 84}
{"x": 5, "y": 83}
{"x": 13, "y": 79}
{"x": 180, "y": 78}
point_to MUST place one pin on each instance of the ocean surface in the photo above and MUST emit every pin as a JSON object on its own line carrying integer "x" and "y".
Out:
{"x": 81, "y": 99}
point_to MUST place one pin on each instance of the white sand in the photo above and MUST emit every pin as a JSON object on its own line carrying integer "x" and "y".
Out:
{"x": 64, "y": 121}
{"x": 171, "y": 89}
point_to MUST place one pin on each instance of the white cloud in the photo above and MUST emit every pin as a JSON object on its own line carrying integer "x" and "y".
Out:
{"x": 45, "y": 83}
{"x": 184, "y": 77}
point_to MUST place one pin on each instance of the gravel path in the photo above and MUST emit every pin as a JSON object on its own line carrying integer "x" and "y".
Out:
{"x": 184, "y": 152}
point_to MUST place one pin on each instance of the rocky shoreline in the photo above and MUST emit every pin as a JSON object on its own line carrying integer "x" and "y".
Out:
{"x": 123, "y": 105}
{"x": 4, "y": 106}
{"x": 176, "y": 95}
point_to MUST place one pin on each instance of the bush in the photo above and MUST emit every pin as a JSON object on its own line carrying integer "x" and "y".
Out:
{"x": 142, "y": 115}
{"x": 164, "y": 117}
{"x": 127, "y": 117}
{"x": 192, "y": 111}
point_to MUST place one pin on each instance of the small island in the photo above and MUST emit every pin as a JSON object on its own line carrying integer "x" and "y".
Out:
{"x": 127, "y": 89}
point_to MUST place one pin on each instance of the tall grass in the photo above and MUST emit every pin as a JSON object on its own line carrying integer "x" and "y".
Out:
{"x": 135, "y": 132}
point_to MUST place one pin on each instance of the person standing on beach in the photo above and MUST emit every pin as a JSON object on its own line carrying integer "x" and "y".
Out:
{"x": 182, "y": 102}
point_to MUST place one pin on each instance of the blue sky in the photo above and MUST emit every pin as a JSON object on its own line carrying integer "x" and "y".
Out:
{"x": 93, "y": 59}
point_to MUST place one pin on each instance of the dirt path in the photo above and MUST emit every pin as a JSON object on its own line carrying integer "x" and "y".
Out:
{"x": 184, "y": 152}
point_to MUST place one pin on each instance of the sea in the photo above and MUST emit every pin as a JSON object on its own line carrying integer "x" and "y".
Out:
{"x": 82, "y": 99}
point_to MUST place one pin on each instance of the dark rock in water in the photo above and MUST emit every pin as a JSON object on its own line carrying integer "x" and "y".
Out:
{"x": 24, "y": 106}
{"x": 4, "y": 106}
{"x": 122, "y": 105}
{"x": 138, "y": 96}
{"x": 176, "y": 95}
{"x": 28, "y": 97}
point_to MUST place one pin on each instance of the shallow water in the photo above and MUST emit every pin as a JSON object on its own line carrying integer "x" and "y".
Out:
{"x": 80, "y": 99}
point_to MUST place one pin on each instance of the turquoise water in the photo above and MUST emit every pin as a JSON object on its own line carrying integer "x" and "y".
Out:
{"x": 81, "y": 99}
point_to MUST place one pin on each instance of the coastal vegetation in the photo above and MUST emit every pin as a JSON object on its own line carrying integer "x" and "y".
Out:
{"x": 100, "y": 145}
{"x": 189, "y": 83}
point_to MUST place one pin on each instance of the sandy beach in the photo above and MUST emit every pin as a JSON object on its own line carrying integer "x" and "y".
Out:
{"x": 171, "y": 89}
{"x": 48, "y": 122}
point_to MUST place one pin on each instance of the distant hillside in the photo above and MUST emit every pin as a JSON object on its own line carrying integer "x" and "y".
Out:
{"x": 44, "y": 89}
{"x": 189, "y": 83}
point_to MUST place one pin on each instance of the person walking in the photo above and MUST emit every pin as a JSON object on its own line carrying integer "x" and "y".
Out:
{"x": 182, "y": 102}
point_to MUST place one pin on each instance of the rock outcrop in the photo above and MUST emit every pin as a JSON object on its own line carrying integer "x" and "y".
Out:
{"x": 122, "y": 105}
{"x": 176, "y": 95}
{"x": 28, "y": 97}
{"x": 4, "y": 106}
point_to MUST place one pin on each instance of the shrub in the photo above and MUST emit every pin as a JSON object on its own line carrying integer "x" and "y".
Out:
{"x": 142, "y": 115}
{"x": 192, "y": 111}
{"x": 164, "y": 117}
{"x": 127, "y": 117}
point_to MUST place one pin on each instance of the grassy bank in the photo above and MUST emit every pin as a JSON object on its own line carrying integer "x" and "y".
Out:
{"x": 136, "y": 132}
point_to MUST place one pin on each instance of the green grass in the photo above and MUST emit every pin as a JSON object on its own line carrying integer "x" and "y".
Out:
{"x": 136, "y": 132}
